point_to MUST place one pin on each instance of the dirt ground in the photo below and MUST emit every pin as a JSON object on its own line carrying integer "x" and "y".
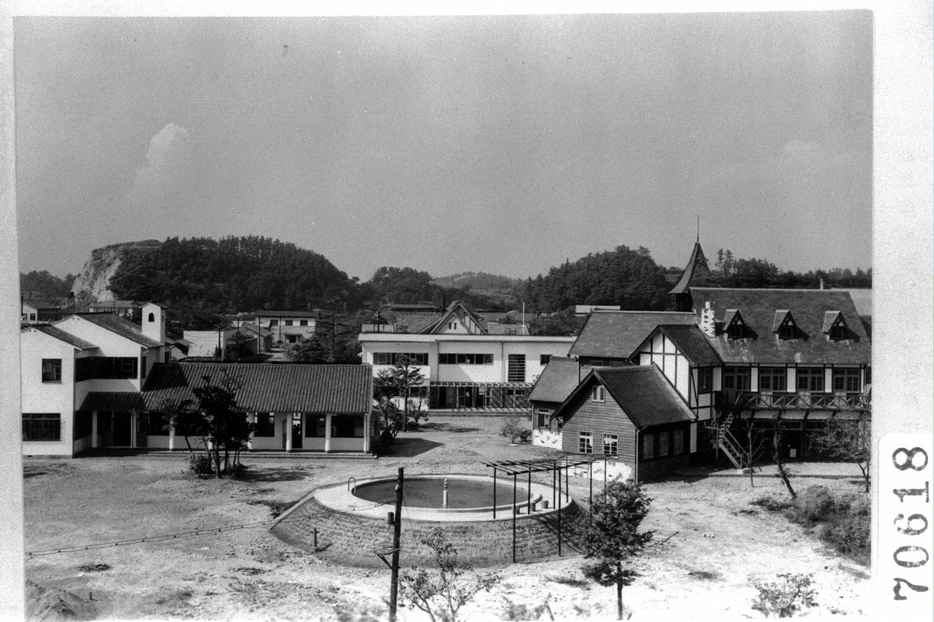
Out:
{"x": 710, "y": 544}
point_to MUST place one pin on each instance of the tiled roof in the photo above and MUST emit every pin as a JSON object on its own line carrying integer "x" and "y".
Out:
{"x": 808, "y": 307}
{"x": 452, "y": 310}
{"x": 336, "y": 389}
{"x": 690, "y": 340}
{"x": 113, "y": 400}
{"x": 415, "y": 321}
{"x": 695, "y": 273}
{"x": 556, "y": 381}
{"x": 642, "y": 391}
{"x": 120, "y": 326}
{"x": 61, "y": 335}
{"x": 616, "y": 334}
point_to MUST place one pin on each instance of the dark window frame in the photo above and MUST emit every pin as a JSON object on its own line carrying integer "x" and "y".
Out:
{"x": 813, "y": 377}
{"x": 610, "y": 444}
{"x": 846, "y": 379}
{"x": 39, "y": 427}
{"x": 771, "y": 375}
{"x": 52, "y": 370}
{"x": 585, "y": 442}
{"x": 737, "y": 378}
{"x": 516, "y": 368}
{"x": 704, "y": 379}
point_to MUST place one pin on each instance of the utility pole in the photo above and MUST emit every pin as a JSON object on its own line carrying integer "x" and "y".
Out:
{"x": 396, "y": 535}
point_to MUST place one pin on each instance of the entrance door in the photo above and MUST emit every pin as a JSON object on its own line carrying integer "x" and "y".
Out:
{"x": 122, "y": 422}
{"x": 297, "y": 431}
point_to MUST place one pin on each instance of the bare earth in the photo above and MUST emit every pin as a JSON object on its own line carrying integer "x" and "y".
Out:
{"x": 710, "y": 546}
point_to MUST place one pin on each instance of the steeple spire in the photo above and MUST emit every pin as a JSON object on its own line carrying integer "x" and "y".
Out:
{"x": 698, "y": 228}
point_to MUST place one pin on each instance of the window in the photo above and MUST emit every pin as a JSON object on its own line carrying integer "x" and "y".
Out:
{"x": 542, "y": 416}
{"x": 516, "y": 368}
{"x": 347, "y": 426}
{"x": 265, "y": 425}
{"x": 598, "y": 394}
{"x": 42, "y": 426}
{"x": 677, "y": 442}
{"x": 838, "y": 332}
{"x": 787, "y": 331}
{"x": 773, "y": 379}
{"x": 157, "y": 426}
{"x": 610, "y": 445}
{"x": 705, "y": 380}
{"x": 273, "y": 323}
{"x": 142, "y": 366}
{"x": 663, "y": 444}
{"x": 315, "y": 426}
{"x": 391, "y": 358}
{"x": 303, "y": 322}
{"x": 810, "y": 379}
{"x": 736, "y": 379}
{"x": 465, "y": 359}
{"x": 648, "y": 446}
{"x": 288, "y": 322}
{"x": 291, "y": 338}
{"x": 152, "y": 317}
{"x": 846, "y": 380}
{"x": 105, "y": 367}
{"x": 51, "y": 370}
{"x": 543, "y": 359}
{"x": 585, "y": 443}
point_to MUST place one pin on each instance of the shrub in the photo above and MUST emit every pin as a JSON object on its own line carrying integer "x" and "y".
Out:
{"x": 771, "y": 503}
{"x": 816, "y": 505}
{"x": 200, "y": 465}
{"x": 513, "y": 429}
{"x": 785, "y": 596}
{"x": 521, "y": 611}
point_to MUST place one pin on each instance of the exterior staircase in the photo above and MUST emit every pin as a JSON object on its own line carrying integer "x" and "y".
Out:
{"x": 728, "y": 443}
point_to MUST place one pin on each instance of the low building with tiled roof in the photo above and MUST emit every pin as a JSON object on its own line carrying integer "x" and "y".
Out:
{"x": 323, "y": 408}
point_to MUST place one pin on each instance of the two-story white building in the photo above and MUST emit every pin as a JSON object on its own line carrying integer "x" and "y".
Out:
{"x": 81, "y": 379}
{"x": 463, "y": 368}
{"x": 287, "y": 327}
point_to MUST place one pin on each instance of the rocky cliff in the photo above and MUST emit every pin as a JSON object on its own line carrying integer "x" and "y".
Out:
{"x": 93, "y": 282}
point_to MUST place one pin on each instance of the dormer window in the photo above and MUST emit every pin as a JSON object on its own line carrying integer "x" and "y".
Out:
{"x": 598, "y": 394}
{"x": 733, "y": 324}
{"x": 784, "y": 325}
{"x": 835, "y": 326}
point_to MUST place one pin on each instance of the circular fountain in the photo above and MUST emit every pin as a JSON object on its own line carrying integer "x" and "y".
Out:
{"x": 347, "y": 522}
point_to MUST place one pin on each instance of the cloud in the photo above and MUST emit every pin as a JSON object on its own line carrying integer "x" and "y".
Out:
{"x": 166, "y": 180}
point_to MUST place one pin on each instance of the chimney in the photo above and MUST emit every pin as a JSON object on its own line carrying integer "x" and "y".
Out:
{"x": 707, "y": 323}
{"x": 154, "y": 322}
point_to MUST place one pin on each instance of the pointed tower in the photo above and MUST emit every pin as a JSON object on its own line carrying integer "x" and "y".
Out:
{"x": 696, "y": 273}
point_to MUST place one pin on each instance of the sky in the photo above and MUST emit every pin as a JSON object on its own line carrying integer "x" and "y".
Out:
{"x": 503, "y": 144}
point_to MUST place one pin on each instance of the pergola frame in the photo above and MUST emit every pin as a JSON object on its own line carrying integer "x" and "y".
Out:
{"x": 540, "y": 465}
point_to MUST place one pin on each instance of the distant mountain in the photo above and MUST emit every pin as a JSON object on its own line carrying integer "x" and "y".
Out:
{"x": 93, "y": 282}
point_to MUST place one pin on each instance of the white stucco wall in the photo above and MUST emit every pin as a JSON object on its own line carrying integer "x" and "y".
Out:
{"x": 546, "y": 438}
{"x": 47, "y": 397}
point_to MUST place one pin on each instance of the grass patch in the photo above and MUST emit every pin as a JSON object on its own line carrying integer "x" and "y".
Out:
{"x": 570, "y": 582}
{"x": 93, "y": 567}
{"x": 842, "y": 522}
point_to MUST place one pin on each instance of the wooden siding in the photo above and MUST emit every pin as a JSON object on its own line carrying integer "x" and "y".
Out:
{"x": 599, "y": 418}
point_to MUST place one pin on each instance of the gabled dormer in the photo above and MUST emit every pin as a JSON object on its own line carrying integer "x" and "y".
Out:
{"x": 784, "y": 326}
{"x": 734, "y": 325}
{"x": 835, "y": 326}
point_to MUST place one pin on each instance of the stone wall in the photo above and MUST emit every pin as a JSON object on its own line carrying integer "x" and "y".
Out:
{"x": 347, "y": 539}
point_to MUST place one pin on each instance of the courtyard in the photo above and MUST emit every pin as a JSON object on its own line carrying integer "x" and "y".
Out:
{"x": 710, "y": 544}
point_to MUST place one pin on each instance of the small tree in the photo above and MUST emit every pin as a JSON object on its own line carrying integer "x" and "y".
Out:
{"x": 613, "y": 537}
{"x": 513, "y": 429}
{"x": 777, "y": 457}
{"x": 850, "y": 441}
{"x": 216, "y": 419}
{"x": 442, "y": 593}
{"x": 309, "y": 351}
{"x": 399, "y": 381}
{"x": 785, "y": 596}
